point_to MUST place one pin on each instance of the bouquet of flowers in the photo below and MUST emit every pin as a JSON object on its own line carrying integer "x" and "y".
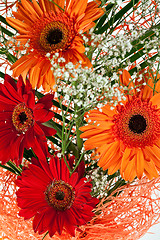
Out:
{"x": 79, "y": 119}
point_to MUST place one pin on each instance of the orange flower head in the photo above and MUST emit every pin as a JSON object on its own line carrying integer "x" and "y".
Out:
{"x": 127, "y": 137}
{"x": 46, "y": 28}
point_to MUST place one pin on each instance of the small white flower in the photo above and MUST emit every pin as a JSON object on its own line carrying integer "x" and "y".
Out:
{"x": 48, "y": 55}
{"x": 59, "y": 155}
{"x": 57, "y": 54}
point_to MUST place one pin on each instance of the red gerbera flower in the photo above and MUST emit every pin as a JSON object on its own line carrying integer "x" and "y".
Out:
{"x": 56, "y": 200}
{"x": 21, "y": 120}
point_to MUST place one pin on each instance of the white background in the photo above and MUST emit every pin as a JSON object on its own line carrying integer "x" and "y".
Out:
{"x": 153, "y": 233}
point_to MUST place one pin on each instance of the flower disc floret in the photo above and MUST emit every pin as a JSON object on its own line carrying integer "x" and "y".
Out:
{"x": 22, "y": 118}
{"x": 137, "y": 123}
{"x": 60, "y": 195}
{"x": 52, "y": 34}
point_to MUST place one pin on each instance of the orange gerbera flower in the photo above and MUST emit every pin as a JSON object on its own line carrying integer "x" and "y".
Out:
{"x": 128, "y": 136}
{"x": 47, "y": 28}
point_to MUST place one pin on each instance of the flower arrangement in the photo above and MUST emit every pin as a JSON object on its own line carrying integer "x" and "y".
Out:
{"x": 79, "y": 119}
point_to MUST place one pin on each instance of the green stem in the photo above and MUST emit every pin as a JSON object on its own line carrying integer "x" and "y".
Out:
{"x": 71, "y": 147}
{"x": 45, "y": 235}
{"x": 79, "y": 122}
{"x": 57, "y": 5}
{"x": 77, "y": 163}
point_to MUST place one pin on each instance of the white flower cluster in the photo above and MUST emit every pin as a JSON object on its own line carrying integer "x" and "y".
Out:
{"x": 99, "y": 182}
{"x": 86, "y": 87}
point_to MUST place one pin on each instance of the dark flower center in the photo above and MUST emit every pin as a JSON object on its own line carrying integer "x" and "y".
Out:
{"x": 54, "y": 36}
{"x": 60, "y": 195}
{"x": 22, "y": 118}
{"x": 137, "y": 124}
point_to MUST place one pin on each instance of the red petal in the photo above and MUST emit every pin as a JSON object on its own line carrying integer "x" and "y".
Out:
{"x": 49, "y": 218}
{"x": 15, "y": 148}
{"x": 26, "y": 213}
{"x": 42, "y": 115}
{"x": 20, "y": 86}
{"x": 47, "y": 130}
{"x": 74, "y": 178}
{"x": 37, "y": 220}
{"x": 70, "y": 228}
{"x": 53, "y": 168}
{"x": 11, "y": 93}
{"x": 47, "y": 100}
{"x": 11, "y": 81}
{"x": 31, "y": 100}
{"x": 60, "y": 222}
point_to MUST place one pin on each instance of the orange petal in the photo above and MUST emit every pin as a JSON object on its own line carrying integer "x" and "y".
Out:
{"x": 107, "y": 110}
{"x": 28, "y": 6}
{"x": 37, "y": 8}
{"x": 150, "y": 168}
{"x": 97, "y": 141}
{"x": 128, "y": 171}
{"x": 28, "y": 64}
{"x": 42, "y": 5}
{"x": 140, "y": 163}
{"x": 76, "y": 7}
{"x": 125, "y": 78}
{"x": 156, "y": 100}
{"x": 19, "y": 62}
{"x": 34, "y": 76}
{"x": 110, "y": 151}
{"x": 17, "y": 24}
{"x": 125, "y": 159}
{"x": 154, "y": 154}
{"x": 114, "y": 167}
{"x": 91, "y": 133}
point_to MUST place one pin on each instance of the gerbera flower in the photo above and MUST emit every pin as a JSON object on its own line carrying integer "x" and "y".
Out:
{"x": 21, "y": 120}
{"x": 46, "y": 28}
{"x": 56, "y": 200}
{"x": 128, "y": 136}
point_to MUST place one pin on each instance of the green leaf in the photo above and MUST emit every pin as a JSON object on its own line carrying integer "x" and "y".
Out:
{"x": 144, "y": 64}
{"x": 71, "y": 146}
{"x": 116, "y": 17}
{"x": 138, "y": 50}
{"x": 7, "y": 32}
{"x": 137, "y": 45}
{"x": 8, "y": 168}
{"x": 2, "y": 75}
{"x": 3, "y": 20}
{"x": 11, "y": 58}
{"x": 14, "y": 167}
{"x": 103, "y": 18}
{"x": 28, "y": 154}
{"x": 54, "y": 140}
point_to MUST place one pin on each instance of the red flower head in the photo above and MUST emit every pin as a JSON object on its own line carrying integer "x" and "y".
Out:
{"x": 56, "y": 200}
{"x": 21, "y": 120}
